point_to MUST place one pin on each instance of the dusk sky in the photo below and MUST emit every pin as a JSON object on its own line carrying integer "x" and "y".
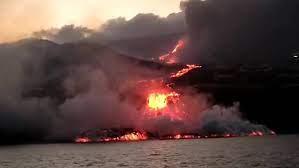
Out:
{"x": 19, "y": 18}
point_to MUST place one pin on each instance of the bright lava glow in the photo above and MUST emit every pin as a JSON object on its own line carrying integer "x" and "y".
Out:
{"x": 83, "y": 140}
{"x": 159, "y": 101}
{"x": 139, "y": 136}
{"x": 172, "y": 57}
{"x": 134, "y": 136}
{"x": 184, "y": 71}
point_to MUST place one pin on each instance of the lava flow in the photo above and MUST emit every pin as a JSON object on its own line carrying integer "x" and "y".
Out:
{"x": 172, "y": 57}
{"x": 184, "y": 71}
{"x": 133, "y": 136}
{"x": 159, "y": 101}
{"x": 83, "y": 140}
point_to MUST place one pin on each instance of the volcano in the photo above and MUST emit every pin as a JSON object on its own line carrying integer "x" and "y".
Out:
{"x": 161, "y": 96}
{"x": 163, "y": 101}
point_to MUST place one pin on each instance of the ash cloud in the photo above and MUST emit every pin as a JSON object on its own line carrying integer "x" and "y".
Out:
{"x": 228, "y": 32}
{"x": 66, "y": 34}
{"x": 142, "y": 25}
{"x": 145, "y": 36}
{"x": 242, "y": 32}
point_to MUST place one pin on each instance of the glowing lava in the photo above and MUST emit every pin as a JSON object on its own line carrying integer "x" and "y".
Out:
{"x": 134, "y": 136}
{"x": 172, "y": 57}
{"x": 184, "y": 71}
{"x": 256, "y": 133}
{"x": 159, "y": 101}
{"x": 83, "y": 140}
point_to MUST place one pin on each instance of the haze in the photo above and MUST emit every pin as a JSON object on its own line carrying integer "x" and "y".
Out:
{"x": 19, "y": 18}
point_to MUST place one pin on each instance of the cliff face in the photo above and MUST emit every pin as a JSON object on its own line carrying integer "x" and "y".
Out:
{"x": 233, "y": 31}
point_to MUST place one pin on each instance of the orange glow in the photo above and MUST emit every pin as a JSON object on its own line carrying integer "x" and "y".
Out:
{"x": 139, "y": 136}
{"x": 180, "y": 45}
{"x": 172, "y": 57}
{"x": 256, "y": 133}
{"x": 134, "y": 136}
{"x": 178, "y": 136}
{"x": 260, "y": 133}
{"x": 159, "y": 101}
{"x": 184, "y": 71}
{"x": 83, "y": 140}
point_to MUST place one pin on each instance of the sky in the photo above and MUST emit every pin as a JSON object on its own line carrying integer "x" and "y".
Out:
{"x": 19, "y": 18}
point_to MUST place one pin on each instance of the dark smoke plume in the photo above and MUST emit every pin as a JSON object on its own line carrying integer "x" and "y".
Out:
{"x": 142, "y": 25}
{"x": 242, "y": 32}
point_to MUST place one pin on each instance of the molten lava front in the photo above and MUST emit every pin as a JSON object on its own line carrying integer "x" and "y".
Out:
{"x": 133, "y": 136}
{"x": 83, "y": 140}
{"x": 163, "y": 103}
{"x": 184, "y": 71}
{"x": 159, "y": 101}
{"x": 172, "y": 57}
{"x": 141, "y": 136}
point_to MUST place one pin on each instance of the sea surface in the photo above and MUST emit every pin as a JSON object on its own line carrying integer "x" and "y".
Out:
{"x": 266, "y": 152}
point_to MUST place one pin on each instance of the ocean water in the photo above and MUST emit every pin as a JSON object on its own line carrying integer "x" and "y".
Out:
{"x": 266, "y": 152}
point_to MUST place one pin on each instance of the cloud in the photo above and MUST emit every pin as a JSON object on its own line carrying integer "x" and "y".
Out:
{"x": 249, "y": 31}
{"x": 141, "y": 25}
{"x": 66, "y": 34}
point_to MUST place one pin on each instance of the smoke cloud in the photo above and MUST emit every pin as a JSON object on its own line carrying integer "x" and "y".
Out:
{"x": 142, "y": 25}
{"x": 242, "y": 32}
{"x": 66, "y": 34}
